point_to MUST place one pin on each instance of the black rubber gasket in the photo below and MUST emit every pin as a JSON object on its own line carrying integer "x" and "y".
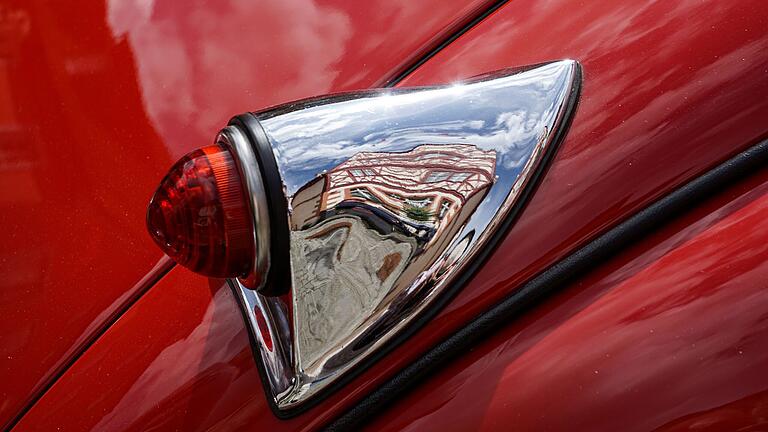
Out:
{"x": 447, "y": 295}
{"x": 279, "y": 276}
{"x": 554, "y": 278}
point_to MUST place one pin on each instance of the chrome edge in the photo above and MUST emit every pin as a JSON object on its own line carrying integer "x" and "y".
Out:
{"x": 363, "y": 268}
{"x": 234, "y": 139}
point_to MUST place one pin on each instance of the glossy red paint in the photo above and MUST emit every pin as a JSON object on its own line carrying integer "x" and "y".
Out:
{"x": 670, "y": 335}
{"x": 178, "y": 360}
{"x": 98, "y": 100}
{"x": 669, "y": 90}
{"x": 647, "y": 122}
{"x": 686, "y": 306}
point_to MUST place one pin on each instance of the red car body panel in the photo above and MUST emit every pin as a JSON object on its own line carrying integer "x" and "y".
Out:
{"x": 98, "y": 100}
{"x": 670, "y": 335}
{"x": 179, "y": 359}
{"x": 670, "y": 89}
{"x": 675, "y": 328}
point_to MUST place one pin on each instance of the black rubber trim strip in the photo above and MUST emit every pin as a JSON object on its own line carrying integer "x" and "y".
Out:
{"x": 151, "y": 279}
{"x": 444, "y": 43}
{"x": 554, "y": 278}
{"x": 446, "y": 296}
{"x": 279, "y": 276}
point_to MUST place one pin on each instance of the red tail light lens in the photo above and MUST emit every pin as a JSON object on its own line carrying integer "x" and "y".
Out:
{"x": 199, "y": 215}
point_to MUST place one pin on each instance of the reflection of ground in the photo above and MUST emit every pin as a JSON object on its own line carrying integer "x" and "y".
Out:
{"x": 343, "y": 270}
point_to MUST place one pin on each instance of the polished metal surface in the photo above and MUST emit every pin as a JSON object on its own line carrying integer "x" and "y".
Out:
{"x": 233, "y": 139}
{"x": 392, "y": 195}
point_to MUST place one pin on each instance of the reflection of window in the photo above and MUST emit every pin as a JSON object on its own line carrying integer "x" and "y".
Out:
{"x": 436, "y": 176}
{"x": 444, "y": 207}
{"x": 364, "y": 194}
{"x": 436, "y": 156}
{"x": 420, "y": 203}
{"x": 362, "y": 172}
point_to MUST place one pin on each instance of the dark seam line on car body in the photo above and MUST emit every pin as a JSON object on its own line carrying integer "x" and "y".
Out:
{"x": 149, "y": 280}
{"x": 443, "y": 43}
{"x": 555, "y": 277}
{"x": 35, "y": 397}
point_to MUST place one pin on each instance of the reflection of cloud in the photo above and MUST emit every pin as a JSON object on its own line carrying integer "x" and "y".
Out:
{"x": 188, "y": 64}
{"x": 514, "y": 129}
{"x": 507, "y": 115}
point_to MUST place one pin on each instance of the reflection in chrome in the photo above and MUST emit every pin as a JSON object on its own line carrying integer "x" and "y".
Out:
{"x": 392, "y": 195}
{"x": 376, "y": 216}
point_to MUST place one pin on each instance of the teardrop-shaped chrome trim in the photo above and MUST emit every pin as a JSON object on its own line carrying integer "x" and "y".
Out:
{"x": 394, "y": 197}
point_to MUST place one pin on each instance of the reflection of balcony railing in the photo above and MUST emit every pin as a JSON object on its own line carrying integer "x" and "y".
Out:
{"x": 421, "y": 191}
{"x": 382, "y": 220}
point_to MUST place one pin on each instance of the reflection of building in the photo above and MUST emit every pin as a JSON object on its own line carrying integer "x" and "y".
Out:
{"x": 373, "y": 223}
{"x": 426, "y": 187}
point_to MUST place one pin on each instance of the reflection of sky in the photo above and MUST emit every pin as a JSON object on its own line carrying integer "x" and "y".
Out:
{"x": 200, "y": 62}
{"x": 507, "y": 115}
